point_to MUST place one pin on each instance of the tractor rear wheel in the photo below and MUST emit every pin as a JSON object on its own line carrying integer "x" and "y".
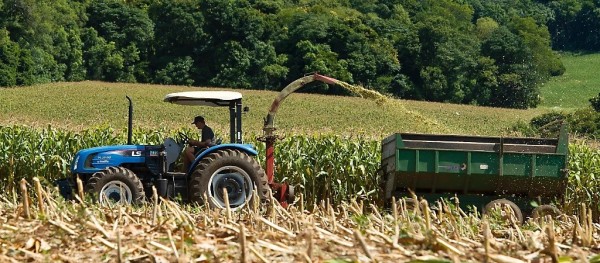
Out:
{"x": 116, "y": 185}
{"x": 232, "y": 170}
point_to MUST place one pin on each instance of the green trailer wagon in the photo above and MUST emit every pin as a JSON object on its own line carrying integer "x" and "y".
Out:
{"x": 480, "y": 171}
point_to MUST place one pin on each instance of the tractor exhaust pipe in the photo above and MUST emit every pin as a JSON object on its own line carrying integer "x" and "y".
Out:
{"x": 129, "y": 121}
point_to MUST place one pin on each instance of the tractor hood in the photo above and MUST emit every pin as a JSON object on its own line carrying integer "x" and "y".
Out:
{"x": 110, "y": 148}
{"x": 94, "y": 159}
{"x": 203, "y": 98}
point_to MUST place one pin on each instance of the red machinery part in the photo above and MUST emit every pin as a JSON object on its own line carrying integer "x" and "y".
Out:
{"x": 283, "y": 192}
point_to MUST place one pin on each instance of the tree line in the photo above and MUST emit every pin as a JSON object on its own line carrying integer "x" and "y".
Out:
{"x": 480, "y": 52}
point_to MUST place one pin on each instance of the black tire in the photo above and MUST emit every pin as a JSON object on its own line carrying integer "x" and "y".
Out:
{"x": 499, "y": 202}
{"x": 114, "y": 183}
{"x": 228, "y": 169}
{"x": 544, "y": 210}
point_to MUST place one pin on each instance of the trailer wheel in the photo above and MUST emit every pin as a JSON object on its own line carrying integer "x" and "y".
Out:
{"x": 116, "y": 185}
{"x": 230, "y": 169}
{"x": 502, "y": 202}
{"x": 545, "y": 210}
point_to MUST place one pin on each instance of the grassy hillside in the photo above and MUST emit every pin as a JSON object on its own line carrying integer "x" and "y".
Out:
{"x": 87, "y": 104}
{"x": 580, "y": 82}
{"x": 76, "y": 106}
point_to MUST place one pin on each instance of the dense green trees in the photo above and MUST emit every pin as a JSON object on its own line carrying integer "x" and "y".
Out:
{"x": 483, "y": 52}
{"x": 575, "y": 24}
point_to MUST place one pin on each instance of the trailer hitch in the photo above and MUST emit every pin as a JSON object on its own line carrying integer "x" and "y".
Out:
{"x": 283, "y": 192}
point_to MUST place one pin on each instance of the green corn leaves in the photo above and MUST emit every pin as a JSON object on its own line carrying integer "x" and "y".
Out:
{"x": 328, "y": 166}
{"x": 325, "y": 167}
{"x": 583, "y": 187}
{"x": 47, "y": 153}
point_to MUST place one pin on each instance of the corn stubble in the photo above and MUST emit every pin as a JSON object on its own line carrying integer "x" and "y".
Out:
{"x": 333, "y": 218}
{"x": 40, "y": 226}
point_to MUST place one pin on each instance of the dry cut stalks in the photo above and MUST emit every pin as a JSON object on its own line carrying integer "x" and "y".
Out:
{"x": 167, "y": 231}
{"x": 25, "y": 198}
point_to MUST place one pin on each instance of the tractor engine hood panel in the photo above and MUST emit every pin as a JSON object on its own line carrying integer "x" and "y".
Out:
{"x": 97, "y": 158}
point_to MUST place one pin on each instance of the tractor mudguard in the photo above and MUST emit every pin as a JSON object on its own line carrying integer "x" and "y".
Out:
{"x": 246, "y": 148}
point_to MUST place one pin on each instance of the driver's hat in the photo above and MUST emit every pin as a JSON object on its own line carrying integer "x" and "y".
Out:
{"x": 198, "y": 119}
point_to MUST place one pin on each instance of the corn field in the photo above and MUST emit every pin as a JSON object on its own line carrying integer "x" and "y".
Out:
{"x": 336, "y": 222}
{"x": 328, "y": 167}
{"x": 324, "y": 167}
{"x": 584, "y": 175}
{"x": 47, "y": 153}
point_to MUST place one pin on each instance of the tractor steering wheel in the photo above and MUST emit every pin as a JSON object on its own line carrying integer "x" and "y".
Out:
{"x": 184, "y": 138}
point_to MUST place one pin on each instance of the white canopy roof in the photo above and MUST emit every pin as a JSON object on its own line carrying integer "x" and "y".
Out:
{"x": 204, "y": 98}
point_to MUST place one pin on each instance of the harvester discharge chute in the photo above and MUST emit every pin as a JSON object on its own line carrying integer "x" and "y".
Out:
{"x": 283, "y": 192}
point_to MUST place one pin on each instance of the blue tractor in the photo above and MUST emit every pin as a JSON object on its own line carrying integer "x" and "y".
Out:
{"x": 127, "y": 173}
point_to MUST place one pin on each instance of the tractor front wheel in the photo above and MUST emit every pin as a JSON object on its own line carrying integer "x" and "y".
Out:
{"x": 116, "y": 185}
{"x": 232, "y": 170}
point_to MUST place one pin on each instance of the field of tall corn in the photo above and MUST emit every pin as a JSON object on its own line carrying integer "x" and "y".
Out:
{"x": 325, "y": 167}
{"x": 338, "y": 221}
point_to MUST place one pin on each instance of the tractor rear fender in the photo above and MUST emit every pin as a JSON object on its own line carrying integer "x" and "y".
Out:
{"x": 245, "y": 148}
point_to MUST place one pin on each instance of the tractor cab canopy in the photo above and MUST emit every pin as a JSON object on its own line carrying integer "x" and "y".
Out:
{"x": 230, "y": 99}
{"x": 204, "y": 98}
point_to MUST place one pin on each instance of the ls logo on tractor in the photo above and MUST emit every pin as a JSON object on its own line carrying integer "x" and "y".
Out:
{"x": 136, "y": 153}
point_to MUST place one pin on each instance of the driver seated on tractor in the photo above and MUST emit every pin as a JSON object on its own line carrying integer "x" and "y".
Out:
{"x": 195, "y": 146}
